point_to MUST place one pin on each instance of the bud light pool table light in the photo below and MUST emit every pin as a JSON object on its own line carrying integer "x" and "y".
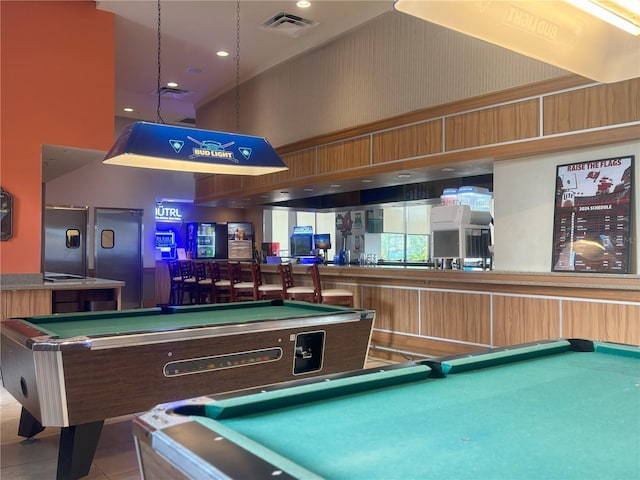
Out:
{"x": 598, "y": 39}
{"x": 169, "y": 147}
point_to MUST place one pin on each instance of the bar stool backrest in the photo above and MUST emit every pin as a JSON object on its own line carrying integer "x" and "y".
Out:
{"x": 256, "y": 274}
{"x": 174, "y": 271}
{"x": 186, "y": 269}
{"x": 286, "y": 275}
{"x": 214, "y": 271}
{"x": 200, "y": 271}
{"x": 317, "y": 284}
{"x": 235, "y": 272}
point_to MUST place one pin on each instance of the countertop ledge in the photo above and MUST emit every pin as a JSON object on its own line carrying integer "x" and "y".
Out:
{"x": 14, "y": 282}
{"x": 630, "y": 282}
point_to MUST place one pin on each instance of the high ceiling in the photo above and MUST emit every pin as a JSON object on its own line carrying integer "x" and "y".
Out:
{"x": 191, "y": 32}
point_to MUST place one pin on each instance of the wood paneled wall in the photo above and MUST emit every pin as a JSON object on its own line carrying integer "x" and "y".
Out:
{"x": 593, "y": 107}
{"x": 435, "y": 312}
{"x": 456, "y": 321}
{"x": 407, "y": 142}
{"x": 520, "y": 121}
{"x": 489, "y": 126}
{"x": 24, "y": 303}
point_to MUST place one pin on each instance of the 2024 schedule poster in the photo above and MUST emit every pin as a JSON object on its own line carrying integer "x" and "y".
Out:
{"x": 592, "y": 220}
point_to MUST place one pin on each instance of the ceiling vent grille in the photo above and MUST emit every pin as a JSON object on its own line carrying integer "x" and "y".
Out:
{"x": 288, "y": 24}
{"x": 172, "y": 92}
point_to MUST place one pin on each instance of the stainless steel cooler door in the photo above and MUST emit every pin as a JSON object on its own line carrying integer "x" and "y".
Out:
{"x": 65, "y": 240}
{"x": 118, "y": 251}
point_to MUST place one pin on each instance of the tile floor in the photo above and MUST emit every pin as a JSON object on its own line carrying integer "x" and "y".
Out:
{"x": 36, "y": 459}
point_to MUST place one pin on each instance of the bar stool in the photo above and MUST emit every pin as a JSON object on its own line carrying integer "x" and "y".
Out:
{"x": 290, "y": 291}
{"x": 203, "y": 283}
{"x": 261, "y": 290}
{"x": 220, "y": 287}
{"x": 334, "y": 296}
{"x": 240, "y": 290}
{"x": 188, "y": 281}
{"x": 175, "y": 291}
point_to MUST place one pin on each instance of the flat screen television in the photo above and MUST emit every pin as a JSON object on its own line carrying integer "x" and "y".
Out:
{"x": 322, "y": 241}
{"x": 301, "y": 244}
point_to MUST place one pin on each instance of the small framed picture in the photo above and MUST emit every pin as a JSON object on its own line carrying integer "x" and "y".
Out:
{"x": 6, "y": 215}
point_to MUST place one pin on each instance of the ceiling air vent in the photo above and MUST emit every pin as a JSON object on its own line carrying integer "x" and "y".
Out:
{"x": 288, "y": 24}
{"x": 173, "y": 92}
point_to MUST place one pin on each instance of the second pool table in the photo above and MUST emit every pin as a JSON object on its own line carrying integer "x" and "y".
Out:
{"x": 566, "y": 409}
{"x": 76, "y": 370}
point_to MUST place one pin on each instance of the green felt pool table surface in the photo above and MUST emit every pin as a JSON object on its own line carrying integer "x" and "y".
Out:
{"x": 565, "y": 415}
{"x": 173, "y": 318}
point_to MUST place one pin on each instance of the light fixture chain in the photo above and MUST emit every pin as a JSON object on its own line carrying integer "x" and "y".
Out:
{"x": 238, "y": 66}
{"x": 158, "y": 116}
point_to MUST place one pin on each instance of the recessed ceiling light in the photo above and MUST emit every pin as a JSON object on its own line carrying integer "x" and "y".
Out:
{"x": 308, "y": 189}
{"x": 172, "y": 84}
{"x": 404, "y": 175}
{"x": 366, "y": 180}
{"x": 128, "y": 109}
{"x": 222, "y": 53}
{"x": 303, "y": 4}
{"x": 448, "y": 169}
{"x": 335, "y": 185}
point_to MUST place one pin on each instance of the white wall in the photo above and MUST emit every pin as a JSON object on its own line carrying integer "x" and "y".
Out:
{"x": 113, "y": 186}
{"x": 524, "y": 193}
{"x": 392, "y": 65}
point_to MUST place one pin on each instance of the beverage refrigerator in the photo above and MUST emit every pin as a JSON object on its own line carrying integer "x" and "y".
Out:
{"x": 201, "y": 239}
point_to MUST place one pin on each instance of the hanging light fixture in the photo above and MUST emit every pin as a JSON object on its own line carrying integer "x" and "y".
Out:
{"x": 552, "y": 31}
{"x": 168, "y": 147}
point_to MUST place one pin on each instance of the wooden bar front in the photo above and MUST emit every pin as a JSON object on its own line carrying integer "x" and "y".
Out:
{"x": 427, "y": 312}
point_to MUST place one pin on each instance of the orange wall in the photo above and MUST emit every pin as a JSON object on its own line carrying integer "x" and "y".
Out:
{"x": 57, "y": 87}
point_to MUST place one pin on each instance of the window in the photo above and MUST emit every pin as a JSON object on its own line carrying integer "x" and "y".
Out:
{"x": 392, "y": 247}
{"x": 280, "y": 230}
{"x": 107, "y": 238}
{"x": 405, "y": 234}
{"x": 73, "y": 238}
{"x": 326, "y": 223}
{"x": 418, "y": 228}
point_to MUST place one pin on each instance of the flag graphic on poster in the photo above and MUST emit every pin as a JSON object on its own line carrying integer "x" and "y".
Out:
{"x": 592, "y": 220}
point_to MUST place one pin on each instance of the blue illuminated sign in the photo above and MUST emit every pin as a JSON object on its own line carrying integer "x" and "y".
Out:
{"x": 168, "y": 214}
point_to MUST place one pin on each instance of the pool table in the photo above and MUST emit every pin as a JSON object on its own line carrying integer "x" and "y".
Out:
{"x": 562, "y": 409}
{"x": 76, "y": 370}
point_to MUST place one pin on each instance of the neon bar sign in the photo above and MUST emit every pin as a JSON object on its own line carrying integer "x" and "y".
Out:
{"x": 171, "y": 214}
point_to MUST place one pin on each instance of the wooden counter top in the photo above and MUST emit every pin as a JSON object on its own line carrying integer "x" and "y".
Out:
{"x": 10, "y": 282}
{"x": 428, "y": 276}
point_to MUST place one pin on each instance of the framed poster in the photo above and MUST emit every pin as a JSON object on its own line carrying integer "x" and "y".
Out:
{"x": 240, "y": 240}
{"x": 592, "y": 217}
{"x": 6, "y": 215}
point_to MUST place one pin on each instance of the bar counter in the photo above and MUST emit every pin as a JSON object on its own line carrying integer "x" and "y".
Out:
{"x": 422, "y": 311}
{"x": 30, "y": 295}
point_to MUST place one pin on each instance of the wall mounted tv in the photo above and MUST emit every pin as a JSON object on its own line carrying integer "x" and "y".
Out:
{"x": 322, "y": 241}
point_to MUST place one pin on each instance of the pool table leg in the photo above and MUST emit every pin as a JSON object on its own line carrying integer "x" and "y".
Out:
{"x": 77, "y": 446}
{"x": 29, "y": 426}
